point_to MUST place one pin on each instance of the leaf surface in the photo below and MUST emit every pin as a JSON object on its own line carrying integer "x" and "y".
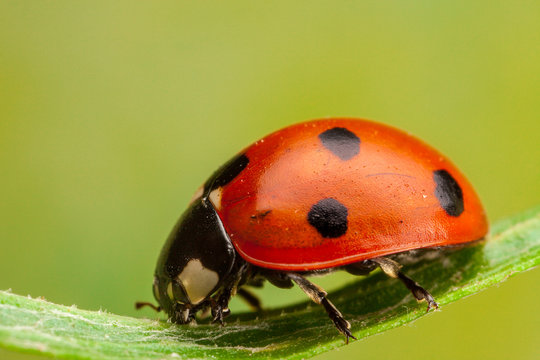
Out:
{"x": 372, "y": 305}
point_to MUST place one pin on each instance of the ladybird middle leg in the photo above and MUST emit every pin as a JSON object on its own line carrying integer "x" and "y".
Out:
{"x": 318, "y": 295}
{"x": 252, "y": 300}
{"x": 393, "y": 269}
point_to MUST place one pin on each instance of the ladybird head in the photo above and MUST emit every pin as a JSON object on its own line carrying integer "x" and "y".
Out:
{"x": 194, "y": 262}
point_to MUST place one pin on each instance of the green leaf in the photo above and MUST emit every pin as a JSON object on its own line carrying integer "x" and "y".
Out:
{"x": 372, "y": 305}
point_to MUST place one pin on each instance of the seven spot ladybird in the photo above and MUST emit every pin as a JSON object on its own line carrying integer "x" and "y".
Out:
{"x": 324, "y": 195}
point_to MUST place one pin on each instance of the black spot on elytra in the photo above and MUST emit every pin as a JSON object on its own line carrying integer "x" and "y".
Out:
{"x": 448, "y": 192}
{"x": 227, "y": 172}
{"x": 341, "y": 142}
{"x": 329, "y": 217}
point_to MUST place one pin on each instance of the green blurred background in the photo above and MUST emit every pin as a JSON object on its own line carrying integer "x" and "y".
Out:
{"x": 113, "y": 113}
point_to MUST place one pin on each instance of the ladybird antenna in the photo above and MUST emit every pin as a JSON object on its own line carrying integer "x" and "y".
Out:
{"x": 141, "y": 304}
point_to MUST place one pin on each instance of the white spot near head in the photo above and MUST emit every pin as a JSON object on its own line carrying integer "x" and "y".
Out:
{"x": 197, "y": 194}
{"x": 215, "y": 198}
{"x": 198, "y": 281}
{"x": 169, "y": 291}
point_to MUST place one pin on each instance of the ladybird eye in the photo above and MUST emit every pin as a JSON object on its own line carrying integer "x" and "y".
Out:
{"x": 179, "y": 293}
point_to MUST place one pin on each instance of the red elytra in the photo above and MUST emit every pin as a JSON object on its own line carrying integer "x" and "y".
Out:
{"x": 387, "y": 186}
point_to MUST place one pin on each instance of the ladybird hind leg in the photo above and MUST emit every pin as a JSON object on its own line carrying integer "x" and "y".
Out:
{"x": 393, "y": 269}
{"x": 318, "y": 295}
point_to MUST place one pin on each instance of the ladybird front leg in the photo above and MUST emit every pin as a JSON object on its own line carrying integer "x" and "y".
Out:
{"x": 220, "y": 305}
{"x": 393, "y": 269}
{"x": 220, "y": 311}
{"x": 318, "y": 295}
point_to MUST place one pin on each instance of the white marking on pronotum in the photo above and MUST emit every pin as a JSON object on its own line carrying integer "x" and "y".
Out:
{"x": 198, "y": 281}
{"x": 215, "y": 198}
{"x": 169, "y": 291}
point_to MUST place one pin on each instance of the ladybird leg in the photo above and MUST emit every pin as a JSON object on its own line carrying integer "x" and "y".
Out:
{"x": 318, "y": 295}
{"x": 220, "y": 309}
{"x": 419, "y": 292}
{"x": 250, "y": 298}
{"x": 393, "y": 269}
{"x": 220, "y": 306}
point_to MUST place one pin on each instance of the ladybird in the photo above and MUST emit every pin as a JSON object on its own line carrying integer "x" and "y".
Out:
{"x": 319, "y": 196}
